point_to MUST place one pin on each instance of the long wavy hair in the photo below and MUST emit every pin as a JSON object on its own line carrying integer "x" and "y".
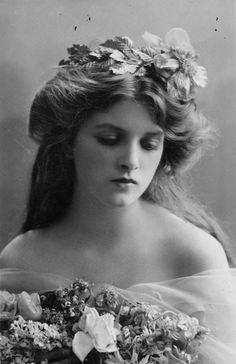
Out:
{"x": 64, "y": 103}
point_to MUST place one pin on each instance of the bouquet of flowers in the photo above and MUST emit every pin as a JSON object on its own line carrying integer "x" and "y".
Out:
{"x": 93, "y": 324}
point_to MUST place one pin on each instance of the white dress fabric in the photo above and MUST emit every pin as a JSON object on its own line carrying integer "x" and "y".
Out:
{"x": 210, "y": 296}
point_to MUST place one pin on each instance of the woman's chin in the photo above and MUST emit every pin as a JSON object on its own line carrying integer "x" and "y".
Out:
{"x": 122, "y": 201}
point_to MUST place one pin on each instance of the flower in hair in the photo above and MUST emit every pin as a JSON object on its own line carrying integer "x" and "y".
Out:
{"x": 173, "y": 61}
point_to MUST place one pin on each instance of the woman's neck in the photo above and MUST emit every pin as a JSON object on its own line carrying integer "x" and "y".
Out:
{"x": 95, "y": 221}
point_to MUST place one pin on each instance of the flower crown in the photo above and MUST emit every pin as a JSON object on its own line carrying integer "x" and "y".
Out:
{"x": 173, "y": 60}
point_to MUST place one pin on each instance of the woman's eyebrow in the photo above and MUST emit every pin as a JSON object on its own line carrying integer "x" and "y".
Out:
{"x": 157, "y": 133}
{"x": 108, "y": 126}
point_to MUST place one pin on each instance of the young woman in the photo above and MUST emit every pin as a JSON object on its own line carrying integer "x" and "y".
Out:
{"x": 117, "y": 128}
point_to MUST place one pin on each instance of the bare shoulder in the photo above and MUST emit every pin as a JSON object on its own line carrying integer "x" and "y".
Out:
{"x": 198, "y": 250}
{"x": 193, "y": 250}
{"x": 22, "y": 252}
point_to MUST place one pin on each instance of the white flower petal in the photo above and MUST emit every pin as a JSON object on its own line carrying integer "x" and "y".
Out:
{"x": 144, "y": 360}
{"x": 29, "y": 306}
{"x": 179, "y": 86}
{"x": 170, "y": 63}
{"x": 99, "y": 329}
{"x": 95, "y": 54}
{"x": 178, "y": 38}
{"x": 182, "y": 82}
{"x": 200, "y": 77}
{"x": 88, "y": 319}
{"x": 117, "y": 56}
{"x": 104, "y": 335}
{"x": 152, "y": 40}
{"x": 124, "y": 68}
{"x": 81, "y": 345}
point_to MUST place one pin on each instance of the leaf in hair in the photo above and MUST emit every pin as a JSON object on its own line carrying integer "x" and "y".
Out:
{"x": 78, "y": 52}
{"x": 111, "y": 43}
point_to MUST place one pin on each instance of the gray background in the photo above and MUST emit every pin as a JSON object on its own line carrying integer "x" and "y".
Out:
{"x": 34, "y": 35}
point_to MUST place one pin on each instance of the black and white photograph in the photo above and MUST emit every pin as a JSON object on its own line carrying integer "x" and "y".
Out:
{"x": 117, "y": 182}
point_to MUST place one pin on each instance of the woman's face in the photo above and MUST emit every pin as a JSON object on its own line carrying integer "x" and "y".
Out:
{"x": 116, "y": 154}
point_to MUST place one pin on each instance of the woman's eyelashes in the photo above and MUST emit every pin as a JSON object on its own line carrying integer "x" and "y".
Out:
{"x": 150, "y": 143}
{"x": 108, "y": 140}
{"x": 146, "y": 143}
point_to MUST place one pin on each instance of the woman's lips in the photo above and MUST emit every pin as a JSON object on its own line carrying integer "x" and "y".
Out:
{"x": 127, "y": 181}
{"x": 124, "y": 183}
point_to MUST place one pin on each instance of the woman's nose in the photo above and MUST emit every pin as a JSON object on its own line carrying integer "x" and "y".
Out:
{"x": 129, "y": 160}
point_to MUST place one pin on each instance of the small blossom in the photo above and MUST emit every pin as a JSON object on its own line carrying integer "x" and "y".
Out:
{"x": 29, "y": 306}
{"x": 8, "y": 304}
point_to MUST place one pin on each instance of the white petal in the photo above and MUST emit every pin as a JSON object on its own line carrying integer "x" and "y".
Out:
{"x": 170, "y": 63}
{"x": 104, "y": 335}
{"x": 81, "y": 345}
{"x": 117, "y": 55}
{"x": 88, "y": 318}
{"x": 182, "y": 82}
{"x": 200, "y": 77}
{"x": 152, "y": 40}
{"x": 178, "y": 38}
{"x": 144, "y": 360}
{"x": 124, "y": 68}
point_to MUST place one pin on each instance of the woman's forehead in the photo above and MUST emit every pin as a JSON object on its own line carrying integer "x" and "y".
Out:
{"x": 124, "y": 114}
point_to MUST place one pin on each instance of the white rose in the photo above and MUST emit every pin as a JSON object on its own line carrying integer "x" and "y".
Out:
{"x": 98, "y": 332}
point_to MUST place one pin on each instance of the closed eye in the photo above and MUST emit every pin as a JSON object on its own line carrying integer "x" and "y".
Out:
{"x": 108, "y": 140}
{"x": 151, "y": 144}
